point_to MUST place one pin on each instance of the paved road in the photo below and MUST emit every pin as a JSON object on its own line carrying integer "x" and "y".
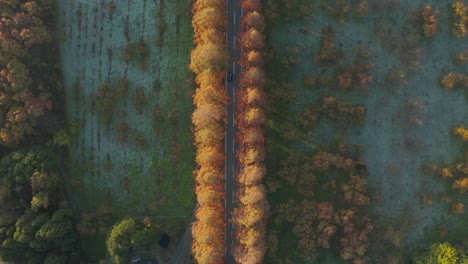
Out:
{"x": 234, "y": 14}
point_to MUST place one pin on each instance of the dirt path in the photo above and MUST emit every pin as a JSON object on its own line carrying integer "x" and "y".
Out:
{"x": 182, "y": 253}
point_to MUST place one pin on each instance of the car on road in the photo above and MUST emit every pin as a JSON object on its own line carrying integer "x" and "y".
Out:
{"x": 229, "y": 76}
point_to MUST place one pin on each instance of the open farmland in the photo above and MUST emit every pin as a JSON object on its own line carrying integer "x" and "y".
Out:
{"x": 325, "y": 66}
{"x": 136, "y": 157}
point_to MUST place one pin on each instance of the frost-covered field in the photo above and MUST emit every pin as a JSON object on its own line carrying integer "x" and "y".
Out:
{"x": 106, "y": 173}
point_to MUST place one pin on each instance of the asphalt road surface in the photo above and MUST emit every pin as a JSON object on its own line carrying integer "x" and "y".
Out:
{"x": 234, "y": 14}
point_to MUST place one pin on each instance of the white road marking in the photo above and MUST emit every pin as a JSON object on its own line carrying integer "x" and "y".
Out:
{"x": 233, "y": 170}
{"x": 234, "y": 67}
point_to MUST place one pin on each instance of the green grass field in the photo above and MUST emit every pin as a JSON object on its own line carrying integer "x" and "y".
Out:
{"x": 153, "y": 178}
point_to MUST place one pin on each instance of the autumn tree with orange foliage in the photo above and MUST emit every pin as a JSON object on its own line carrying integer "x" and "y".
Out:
{"x": 320, "y": 220}
{"x": 430, "y": 21}
{"x": 208, "y": 61}
{"x": 252, "y": 209}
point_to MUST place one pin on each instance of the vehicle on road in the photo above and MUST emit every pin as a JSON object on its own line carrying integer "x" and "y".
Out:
{"x": 229, "y": 76}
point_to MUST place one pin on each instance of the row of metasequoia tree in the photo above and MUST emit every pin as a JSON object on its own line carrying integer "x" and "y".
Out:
{"x": 249, "y": 216}
{"x": 208, "y": 60}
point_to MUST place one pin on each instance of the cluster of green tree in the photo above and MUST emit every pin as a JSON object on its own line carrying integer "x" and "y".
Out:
{"x": 26, "y": 77}
{"x": 35, "y": 222}
{"x": 128, "y": 236}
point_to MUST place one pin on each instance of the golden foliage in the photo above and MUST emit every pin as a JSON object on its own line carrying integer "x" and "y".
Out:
{"x": 209, "y": 19}
{"x": 255, "y": 116}
{"x": 254, "y": 97}
{"x": 209, "y": 195}
{"x": 251, "y": 175}
{"x": 253, "y": 39}
{"x": 254, "y": 20}
{"x": 447, "y": 173}
{"x": 253, "y": 58}
{"x": 207, "y": 248}
{"x": 208, "y": 56}
{"x": 253, "y": 77}
{"x": 460, "y": 17}
{"x": 208, "y": 61}
{"x": 462, "y": 56}
{"x": 252, "y": 194}
{"x": 463, "y": 132}
{"x": 451, "y": 80}
{"x": 461, "y": 185}
{"x": 249, "y": 217}
{"x": 251, "y": 5}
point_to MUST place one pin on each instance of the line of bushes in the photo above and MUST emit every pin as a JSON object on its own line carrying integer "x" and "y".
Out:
{"x": 208, "y": 60}
{"x": 252, "y": 209}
